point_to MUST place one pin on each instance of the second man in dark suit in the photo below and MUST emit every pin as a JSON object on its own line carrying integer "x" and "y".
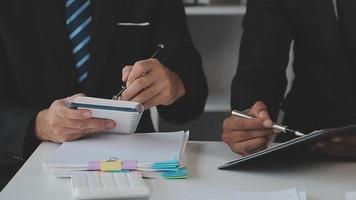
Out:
{"x": 323, "y": 94}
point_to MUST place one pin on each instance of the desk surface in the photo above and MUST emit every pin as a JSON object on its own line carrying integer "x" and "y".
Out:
{"x": 322, "y": 181}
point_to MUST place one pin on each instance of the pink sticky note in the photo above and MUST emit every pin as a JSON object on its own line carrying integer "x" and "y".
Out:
{"x": 94, "y": 165}
{"x": 129, "y": 164}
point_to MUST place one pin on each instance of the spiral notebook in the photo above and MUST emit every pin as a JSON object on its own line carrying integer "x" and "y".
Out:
{"x": 126, "y": 114}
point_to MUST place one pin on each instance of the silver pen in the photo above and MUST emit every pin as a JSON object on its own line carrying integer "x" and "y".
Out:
{"x": 276, "y": 126}
{"x": 117, "y": 96}
{"x": 123, "y": 88}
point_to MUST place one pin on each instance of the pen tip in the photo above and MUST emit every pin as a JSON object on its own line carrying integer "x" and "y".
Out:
{"x": 297, "y": 133}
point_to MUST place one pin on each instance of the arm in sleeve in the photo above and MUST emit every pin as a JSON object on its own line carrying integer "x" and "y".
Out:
{"x": 170, "y": 27}
{"x": 17, "y": 136}
{"x": 264, "y": 56}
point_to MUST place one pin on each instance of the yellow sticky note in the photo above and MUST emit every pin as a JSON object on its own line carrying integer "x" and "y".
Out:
{"x": 110, "y": 166}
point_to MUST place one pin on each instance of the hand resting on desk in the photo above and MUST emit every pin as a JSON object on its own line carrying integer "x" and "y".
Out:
{"x": 60, "y": 124}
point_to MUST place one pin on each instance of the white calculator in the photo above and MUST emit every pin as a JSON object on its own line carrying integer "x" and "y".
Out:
{"x": 106, "y": 185}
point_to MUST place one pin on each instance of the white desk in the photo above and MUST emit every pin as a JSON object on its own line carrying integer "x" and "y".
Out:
{"x": 325, "y": 181}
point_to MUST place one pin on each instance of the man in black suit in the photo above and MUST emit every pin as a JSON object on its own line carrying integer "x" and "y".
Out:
{"x": 52, "y": 50}
{"x": 323, "y": 93}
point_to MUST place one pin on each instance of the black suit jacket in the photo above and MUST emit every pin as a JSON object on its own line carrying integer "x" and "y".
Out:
{"x": 324, "y": 89}
{"x": 36, "y": 63}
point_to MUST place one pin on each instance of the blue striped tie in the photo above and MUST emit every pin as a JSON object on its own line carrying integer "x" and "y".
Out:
{"x": 78, "y": 19}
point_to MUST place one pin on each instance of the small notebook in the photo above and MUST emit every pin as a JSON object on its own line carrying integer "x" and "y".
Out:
{"x": 126, "y": 114}
{"x": 277, "y": 150}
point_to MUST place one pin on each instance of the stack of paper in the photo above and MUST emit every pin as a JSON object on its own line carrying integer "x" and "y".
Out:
{"x": 163, "y": 190}
{"x": 151, "y": 151}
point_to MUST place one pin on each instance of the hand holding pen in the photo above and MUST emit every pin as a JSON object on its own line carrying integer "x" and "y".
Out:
{"x": 248, "y": 133}
{"x": 126, "y": 72}
{"x": 151, "y": 83}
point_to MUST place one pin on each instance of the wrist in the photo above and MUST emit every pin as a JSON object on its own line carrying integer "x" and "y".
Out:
{"x": 181, "y": 88}
{"x": 40, "y": 130}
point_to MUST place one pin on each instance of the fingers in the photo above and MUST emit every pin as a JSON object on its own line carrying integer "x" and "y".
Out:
{"x": 237, "y": 124}
{"x": 241, "y": 136}
{"x": 60, "y": 108}
{"x": 137, "y": 86}
{"x": 152, "y": 102}
{"x": 147, "y": 94}
{"x": 125, "y": 72}
{"x": 250, "y": 146}
{"x": 73, "y": 131}
{"x": 139, "y": 69}
{"x": 259, "y": 109}
{"x": 88, "y": 124}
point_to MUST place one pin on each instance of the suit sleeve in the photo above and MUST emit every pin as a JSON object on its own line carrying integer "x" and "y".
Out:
{"x": 264, "y": 56}
{"x": 16, "y": 120}
{"x": 170, "y": 27}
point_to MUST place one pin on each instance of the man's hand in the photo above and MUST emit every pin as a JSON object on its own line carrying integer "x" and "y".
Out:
{"x": 150, "y": 83}
{"x": 61, "y": 124}
{"x": 341, "y": 146}
{"x": 247, "y": 136}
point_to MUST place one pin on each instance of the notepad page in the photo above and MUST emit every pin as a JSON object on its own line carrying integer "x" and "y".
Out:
{"x": 147, "y": 147}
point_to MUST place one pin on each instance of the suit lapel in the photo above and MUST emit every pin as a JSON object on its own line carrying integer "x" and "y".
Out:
{"x": 103, "y": 26}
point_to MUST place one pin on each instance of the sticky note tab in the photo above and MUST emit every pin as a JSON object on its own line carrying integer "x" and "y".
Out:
{"x": 94, "y": 165}
{"x": 165, "y": 165}
{"x": 129, "y": 164}
{"x": 110, "y": 166}
{"x": 182, "y": 173}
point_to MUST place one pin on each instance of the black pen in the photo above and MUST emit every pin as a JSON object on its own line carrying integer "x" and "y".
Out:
{"x": 123, "y": 88}
{"x": 276, "y": 126}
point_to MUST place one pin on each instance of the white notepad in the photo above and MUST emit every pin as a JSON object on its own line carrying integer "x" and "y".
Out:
{"x": 126, "y": 114}
{"x": 146, "y": 148}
